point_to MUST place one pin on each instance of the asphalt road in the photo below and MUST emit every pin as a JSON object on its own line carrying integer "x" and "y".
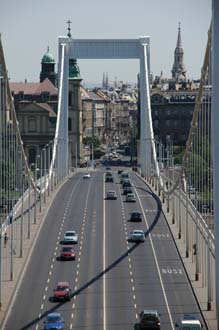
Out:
{"x": 112, "y": 280}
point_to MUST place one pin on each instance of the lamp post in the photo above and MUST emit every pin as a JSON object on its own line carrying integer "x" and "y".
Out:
{"x": 52, "y": 174}
{"x": 44, "y": 172}
{"x": 22, "y": 219}
{"x": 28, "y": 219}
{"x": 48, "y": 157}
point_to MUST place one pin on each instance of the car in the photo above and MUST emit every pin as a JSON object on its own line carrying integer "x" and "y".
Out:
{"x": 109, "y": 179}
{"x": 54, "y": 321}
{"x": 86, "y": 175}
{"x": 70, "y": 237}
{"x": 62, "y": 292}
{"x": 120, "y": 172}
{"x": 190, "y": 322}
{"x": 109, "y": 173}
{"x": 108, "y": 168}
{"x": 111, "y": 194}
{"x": 127, "y": 190}
{"x": 67, "y": 253}
{"x": 126, "y": 183}
{"x": 124, "y": 176}
{"x": 135, "y": 216}
{"x": 130, "y": 198}
{"x": 149, "y": 320}
{"x": 137, "y": 235}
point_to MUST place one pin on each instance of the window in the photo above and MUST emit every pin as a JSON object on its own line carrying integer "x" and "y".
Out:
{"x": 32, "y": 124}
{"x": 69, "y": 99}
{"x": 69, "y": 124}
{"x": 45, "y": 96}
{"x": 32, "y": 155}
{"x": 21, "y": 96}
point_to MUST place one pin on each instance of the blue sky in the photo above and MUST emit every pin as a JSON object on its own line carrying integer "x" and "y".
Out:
{"x": 29, "y": 26}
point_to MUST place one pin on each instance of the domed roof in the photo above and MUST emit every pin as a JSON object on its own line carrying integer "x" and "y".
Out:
{"x": 48, "y": 57}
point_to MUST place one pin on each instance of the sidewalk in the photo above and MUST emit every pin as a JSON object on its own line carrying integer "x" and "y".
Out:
{"x": 10, "y": 287}
{"x": 189, "y": 264}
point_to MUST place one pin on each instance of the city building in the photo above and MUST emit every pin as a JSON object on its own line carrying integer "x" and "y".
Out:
{"x": 173, "y": 101}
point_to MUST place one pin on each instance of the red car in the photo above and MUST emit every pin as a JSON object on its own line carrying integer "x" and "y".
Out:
{"x": 67, "y": 253}
{"x": 62, "y": 291}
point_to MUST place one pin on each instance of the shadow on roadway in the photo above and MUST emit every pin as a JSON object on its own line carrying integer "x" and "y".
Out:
{"x": 107, "y": 269}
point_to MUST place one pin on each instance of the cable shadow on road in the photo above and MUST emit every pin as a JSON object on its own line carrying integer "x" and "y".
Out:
{"x": 158, "y": 207}
{"x": 107, "y": 269}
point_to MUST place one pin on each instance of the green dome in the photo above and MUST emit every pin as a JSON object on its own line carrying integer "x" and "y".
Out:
{"x": 48, "y": 57}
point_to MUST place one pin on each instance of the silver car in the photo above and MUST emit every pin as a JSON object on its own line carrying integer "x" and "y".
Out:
{"x": 111, "y": 194}
{"x": 137, "y": 236}
{"x": 70, "y": 237}
{"x": 130, "y": 198}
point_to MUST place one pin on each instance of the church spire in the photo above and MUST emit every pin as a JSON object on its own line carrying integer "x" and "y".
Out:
{"x": 178, "y": 70}
{"x": 179, "y": 39}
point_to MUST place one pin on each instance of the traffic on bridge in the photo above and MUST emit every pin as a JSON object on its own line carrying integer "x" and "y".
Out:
{"x": 113, "y": 275}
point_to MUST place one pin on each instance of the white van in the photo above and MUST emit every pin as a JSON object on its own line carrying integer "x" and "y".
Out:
{"x": 189, "y": 322}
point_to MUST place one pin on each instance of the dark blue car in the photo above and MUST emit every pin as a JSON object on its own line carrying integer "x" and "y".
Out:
{"x": 54, "y": 321}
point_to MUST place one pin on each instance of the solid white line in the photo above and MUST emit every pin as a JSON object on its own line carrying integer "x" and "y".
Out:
{"x": 156, "y": 261}
{"x": 104, "y": 258}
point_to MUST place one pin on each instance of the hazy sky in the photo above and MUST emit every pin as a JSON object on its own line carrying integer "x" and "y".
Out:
{"x": 29, "y": 26}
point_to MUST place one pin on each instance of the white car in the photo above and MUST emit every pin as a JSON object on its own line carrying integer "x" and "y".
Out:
{"x": 86, "y": 175}
{"x": 111, "y": 194}
{"x": 70, "y": 237}
{"x": 130, "y": 197}
{"x": 137, "y": 236}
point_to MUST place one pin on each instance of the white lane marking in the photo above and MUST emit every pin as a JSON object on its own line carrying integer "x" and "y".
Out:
{"x": 41, "y": 306}
{"x": 72, "y": 315}
{"x": 46, "y": 288}
{"x": 44, "y": 297}
{"x": 37, "y": 326}
{"x": 48, "y": 280}
{"x": 156, "y": 261}
{"x": 71, "y": 326}
{"x": 104, "y": 259}
{"x": 39, "y": 316}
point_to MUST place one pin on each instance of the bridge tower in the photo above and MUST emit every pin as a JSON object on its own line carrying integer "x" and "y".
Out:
{"x": 75, "y": 113}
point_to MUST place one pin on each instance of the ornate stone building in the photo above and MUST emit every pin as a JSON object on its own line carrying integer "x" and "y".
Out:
{"x": 173, "y": 101}
{"x": 36, "y": 107}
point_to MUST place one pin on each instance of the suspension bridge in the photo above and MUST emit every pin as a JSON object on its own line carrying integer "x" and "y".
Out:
{"x": 188, "y": 193}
